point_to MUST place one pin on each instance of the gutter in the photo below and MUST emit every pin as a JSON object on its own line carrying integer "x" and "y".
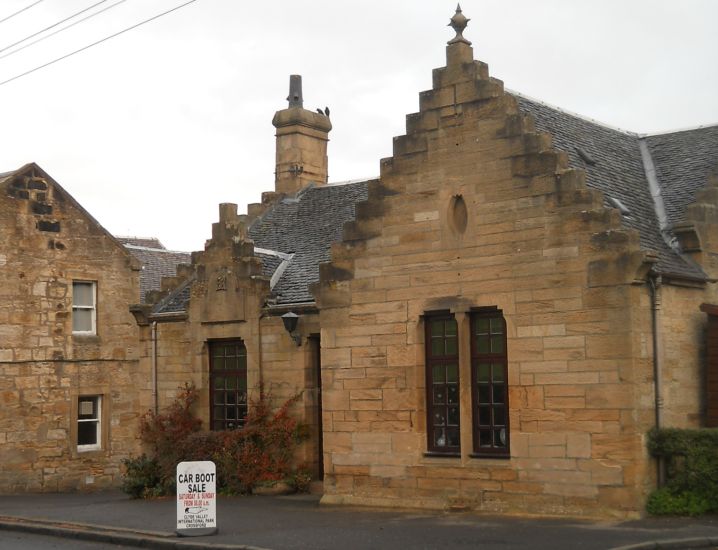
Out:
{"x": 304, "y": 307}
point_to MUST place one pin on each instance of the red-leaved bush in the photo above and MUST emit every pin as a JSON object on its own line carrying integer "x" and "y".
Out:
{"x": 260, "y": 452}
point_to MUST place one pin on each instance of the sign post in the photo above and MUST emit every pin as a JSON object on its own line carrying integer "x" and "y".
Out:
{"x": 196, "y": 499}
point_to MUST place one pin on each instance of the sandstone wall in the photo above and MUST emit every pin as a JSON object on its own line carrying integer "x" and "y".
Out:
{"x": 49, "y": 241}
{"x": 531, "y": 240}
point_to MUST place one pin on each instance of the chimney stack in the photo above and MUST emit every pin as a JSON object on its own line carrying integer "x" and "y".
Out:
{"x": 302, "y": 138}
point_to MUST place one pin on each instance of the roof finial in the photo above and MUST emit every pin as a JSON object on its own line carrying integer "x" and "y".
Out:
{"x": 295, "y": 91}
{"x": 458, "y": 22}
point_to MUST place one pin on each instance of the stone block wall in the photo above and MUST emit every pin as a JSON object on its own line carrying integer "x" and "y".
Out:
{"x": 235, "y": 310}
{"x": 476, "y": 209}
{"x": 49, "y": 241}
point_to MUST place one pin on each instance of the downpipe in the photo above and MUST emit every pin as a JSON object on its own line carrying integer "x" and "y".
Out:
{"x": 155, "y": 400}
{"x": 654, "y": 288}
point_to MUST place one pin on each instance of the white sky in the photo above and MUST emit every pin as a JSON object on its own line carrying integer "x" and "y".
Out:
{"x": 151, "y": 130}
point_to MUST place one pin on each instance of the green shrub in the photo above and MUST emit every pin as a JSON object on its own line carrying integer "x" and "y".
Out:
{"x": 142, "y": 474}
{"x": 691, "y": 460}
{"x": 259, "y": 453}
{"x": 665, "y": 502}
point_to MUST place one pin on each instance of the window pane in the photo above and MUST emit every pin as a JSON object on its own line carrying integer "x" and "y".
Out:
{"x": 452, "y": 393}
{"x": 500, "y": 437}
{"x": 87, "y": 433}
{"x": 231, "y": 398}
{"x": 484, "y": 393}
{"x": 219, "y": 413}
{"x": 451, "y": 346}
{"x": 437, "y": 374}
{"x": 450, "y": 327}
{"x": 219, "y": 383}
{"x": 497, "y": 325}
{"x": 218, "y": 363}
{"x": 437, "y": 346}
{"x": 218, "y": 398}
{"x": 482, "y": 344}
{"x": 83, "y": 295}
{"x": 439, "y": 394}
{"x": 452, "y": 373}
{"x": 482, "y": 325}
{"x": 231, "y": 382}
{"x": 453, "y": 419}
{"x": 439, "y": 416}
{"x": 242, "y": 398}
{"x": 439, "y": 437}
{"x": 82, "y": 320}
{"x": 484, "y": 415}
{"x": 485, "y": 438}
{"x": 498, "y": 372}
{"x": 497, "y": 344}
{"x": 231, "y": 413}
{"x": 86, "y": 408}
{"x": 452, "y": 435}
{"x": 498, "y": 392}
{"x": 499, "y": 415}
{"x": 483, "y": 373}
{"x": 437, "y": 328}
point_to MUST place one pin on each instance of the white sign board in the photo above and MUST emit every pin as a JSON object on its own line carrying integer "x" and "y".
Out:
{"x": 196, "y": 498}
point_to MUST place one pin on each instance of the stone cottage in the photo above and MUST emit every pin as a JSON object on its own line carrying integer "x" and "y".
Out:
{"x": 71, "y": 390}
{"x": 69, "y": 376}
{"x": 494, "y": 323}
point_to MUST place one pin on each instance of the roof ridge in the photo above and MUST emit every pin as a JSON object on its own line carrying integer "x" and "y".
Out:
{"x": 574, "y": 114}
{"x": 605, "y": 124}
{"x": 149, "y": 248}
{"x": 681, "y": 130}
{"x": 351, "y": 181}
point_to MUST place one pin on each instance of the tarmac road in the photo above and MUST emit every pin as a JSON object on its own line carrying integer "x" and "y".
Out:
{"x": 10, "y": 540}
{"x": 299, "y": 523}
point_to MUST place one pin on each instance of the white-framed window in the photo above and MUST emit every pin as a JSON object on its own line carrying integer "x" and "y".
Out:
{"x": 89, "y": 422}
{"x": 84, "y": 310}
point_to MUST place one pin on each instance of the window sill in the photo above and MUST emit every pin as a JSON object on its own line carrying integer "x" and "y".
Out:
{"x": 86, "y": 336}
{"x": 433, "y": 454}
{"x": 86, "y": 450}
{"x": 489, "y": 456}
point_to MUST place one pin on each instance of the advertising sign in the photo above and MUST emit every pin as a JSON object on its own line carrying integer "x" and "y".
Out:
{"x": 196, "y": 498}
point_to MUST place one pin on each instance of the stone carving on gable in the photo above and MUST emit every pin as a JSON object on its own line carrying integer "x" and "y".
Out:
{"x": 224, "y": 299}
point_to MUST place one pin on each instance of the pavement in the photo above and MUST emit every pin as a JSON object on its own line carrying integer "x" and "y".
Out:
{"x": 298, "y": 522}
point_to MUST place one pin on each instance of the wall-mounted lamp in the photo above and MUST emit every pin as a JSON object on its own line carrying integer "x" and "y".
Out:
{"x": 290, "y": 321}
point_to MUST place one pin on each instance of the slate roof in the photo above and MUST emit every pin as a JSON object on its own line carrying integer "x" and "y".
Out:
{"x": 294, "y": 236}
{"x": 149, "y": 242}
{"x": 613, "y": 164}
{"x": 306, "y": 226}
{"x": 177, "y": 300}
{"x": 156, "y": 262}
{"x": 683, "y": 162}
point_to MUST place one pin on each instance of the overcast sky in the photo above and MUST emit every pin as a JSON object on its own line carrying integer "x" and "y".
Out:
{"x": 151, "y": 130}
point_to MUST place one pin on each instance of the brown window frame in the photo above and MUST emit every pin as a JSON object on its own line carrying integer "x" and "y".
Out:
{"x": 225, "y": 399}
{"x": 451, "y": 408}
{"x": 484, "y": 397}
